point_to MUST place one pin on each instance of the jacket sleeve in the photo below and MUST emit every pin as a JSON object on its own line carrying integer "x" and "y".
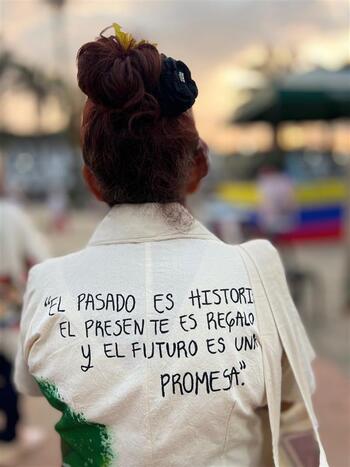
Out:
{"x": 297, "y": 333}
{"x": 296, "y": 369}
{"x": 286, "y": 315}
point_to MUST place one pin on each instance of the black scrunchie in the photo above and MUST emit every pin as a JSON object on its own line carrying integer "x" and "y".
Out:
{"x": 176, "y": 91}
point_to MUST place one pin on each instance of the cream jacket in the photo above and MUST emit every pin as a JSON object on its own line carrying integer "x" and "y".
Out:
{"x": 148, "y": 342}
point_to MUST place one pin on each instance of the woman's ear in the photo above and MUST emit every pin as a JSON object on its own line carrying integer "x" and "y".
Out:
{"x": 200, "y": 167}
{"x": 92, "y": 183}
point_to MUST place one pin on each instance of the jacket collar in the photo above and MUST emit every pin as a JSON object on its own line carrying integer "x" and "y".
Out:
{"x": 136, "y": 223}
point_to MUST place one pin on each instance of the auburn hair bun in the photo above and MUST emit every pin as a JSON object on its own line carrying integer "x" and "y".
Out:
{"x": 136, "y": 136}
{"x": 116, "y": 78}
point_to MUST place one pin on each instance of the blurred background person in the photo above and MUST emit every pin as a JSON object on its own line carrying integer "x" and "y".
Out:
{"x": 278, "y": 207}
{"x": 21, "y": 246}
{"x": 57, "y": 204}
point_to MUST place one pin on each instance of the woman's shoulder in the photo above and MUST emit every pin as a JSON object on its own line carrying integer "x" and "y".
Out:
{"x": 259, "y": 246}
{"x": 264, "y": 255}
{"x": 48, "y": 270}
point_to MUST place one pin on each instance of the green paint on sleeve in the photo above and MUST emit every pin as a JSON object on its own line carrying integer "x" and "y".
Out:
{"x": 84, "y": 443}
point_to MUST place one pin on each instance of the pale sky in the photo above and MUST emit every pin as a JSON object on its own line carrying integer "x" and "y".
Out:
{"x": 215, "y": 38}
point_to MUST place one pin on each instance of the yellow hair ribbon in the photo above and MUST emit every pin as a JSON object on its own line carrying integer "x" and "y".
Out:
{"x": 126, "y": 39}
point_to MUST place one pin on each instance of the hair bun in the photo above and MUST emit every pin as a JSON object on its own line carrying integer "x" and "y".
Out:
{"x": 114, "y": 77}
{"x": 119, "y": 73}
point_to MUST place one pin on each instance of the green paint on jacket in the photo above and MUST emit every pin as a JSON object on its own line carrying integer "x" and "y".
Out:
{"x": 84, "y": 444}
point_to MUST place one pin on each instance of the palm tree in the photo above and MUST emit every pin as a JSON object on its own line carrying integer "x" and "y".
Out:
{"x": 59, "y": 30}
{"x": 60, "y": 46}
{"x": 33, "y": 79}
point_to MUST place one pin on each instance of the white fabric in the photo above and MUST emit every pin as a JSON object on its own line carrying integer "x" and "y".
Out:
{"x": 136, "y": 252}
{"x": 276, "y": 306}
{"x": 20, "y": 243}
